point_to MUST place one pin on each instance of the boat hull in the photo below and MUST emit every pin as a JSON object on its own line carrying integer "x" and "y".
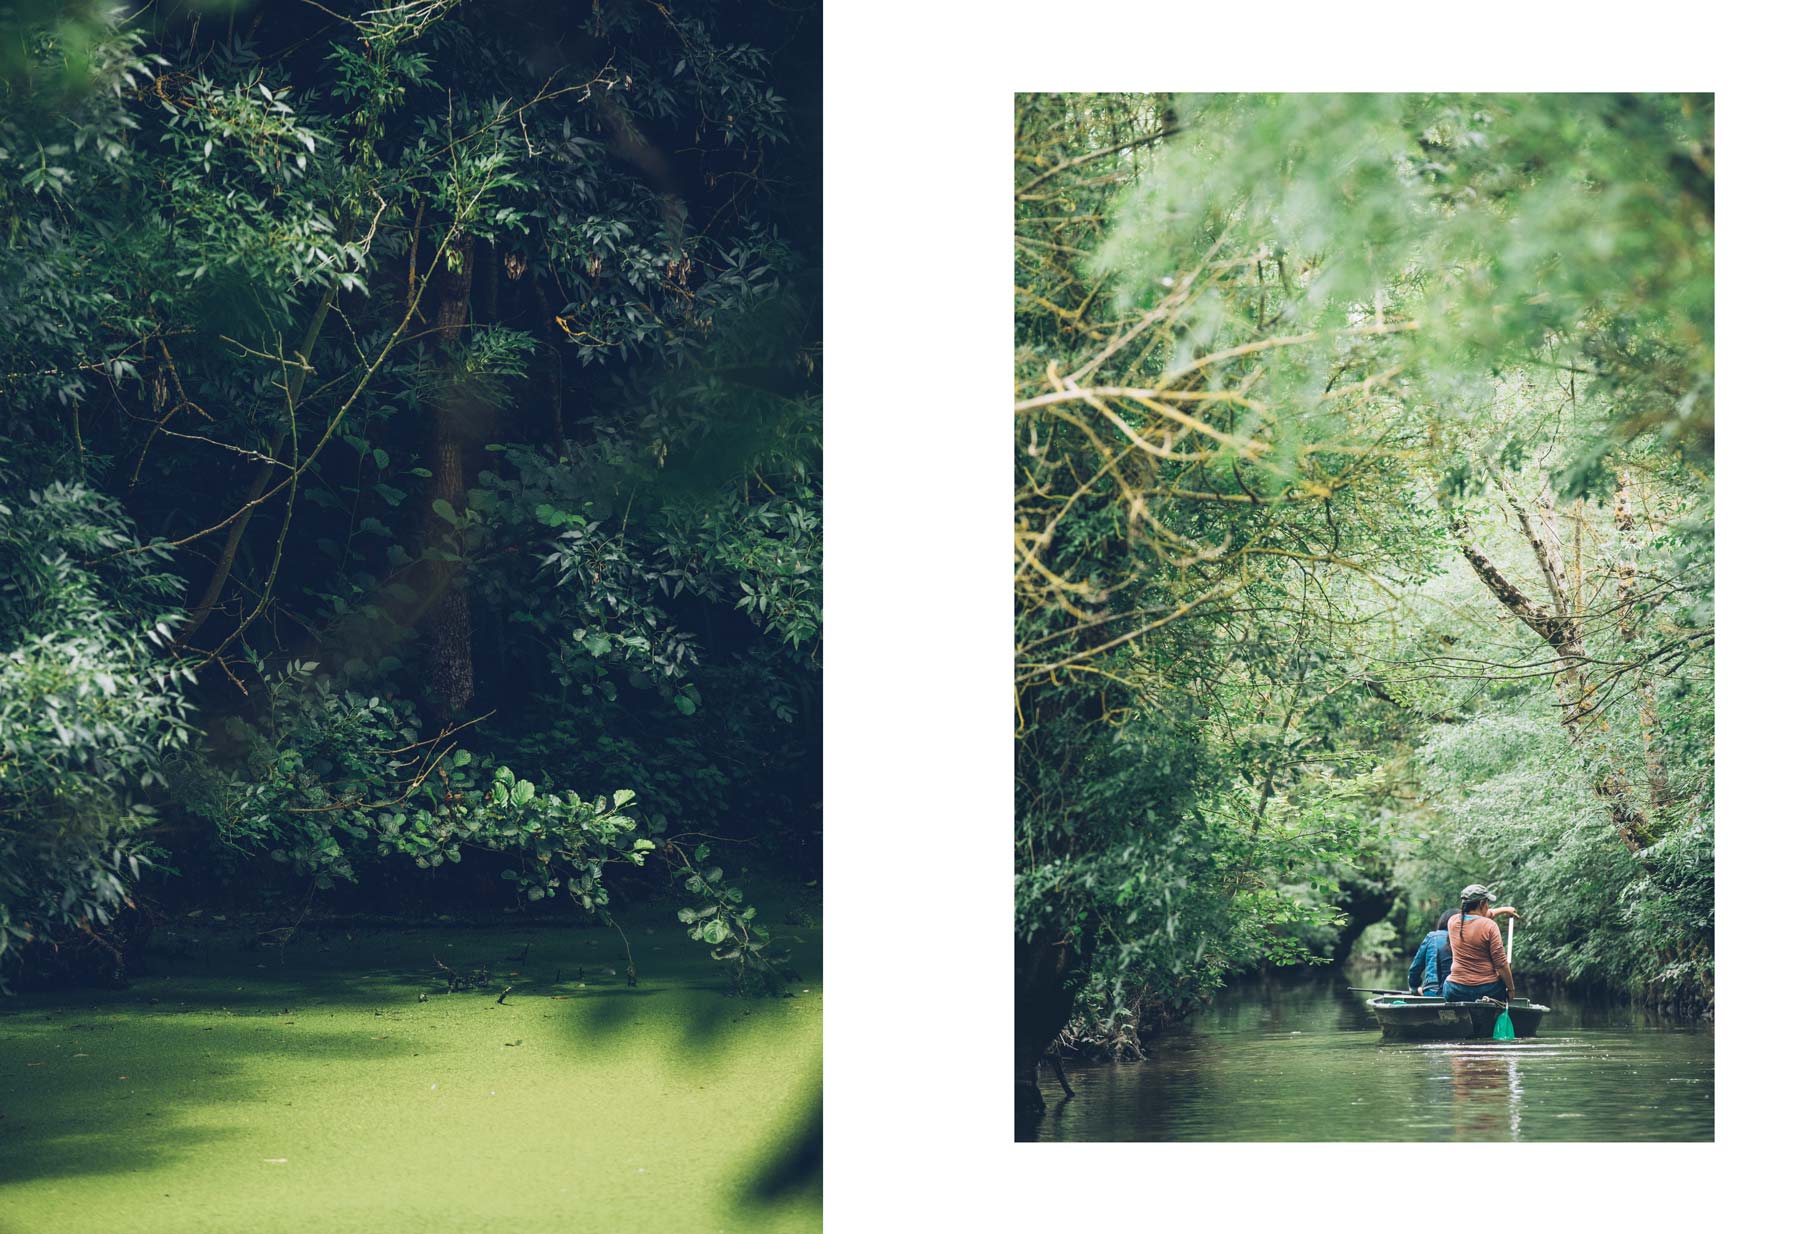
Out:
{"x": 1437, "y": 1020}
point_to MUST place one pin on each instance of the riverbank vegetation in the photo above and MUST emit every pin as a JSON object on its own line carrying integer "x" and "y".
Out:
{"x": 1363, "y": 539}
{"x": 410, "y": 481}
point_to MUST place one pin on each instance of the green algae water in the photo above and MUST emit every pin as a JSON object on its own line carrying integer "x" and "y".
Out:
{"x": 1288, "y": 1060}
{"x": 312, "y": 1090}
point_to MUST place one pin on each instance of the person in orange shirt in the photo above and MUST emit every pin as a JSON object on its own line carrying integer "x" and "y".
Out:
{"x": 1479, "y": 965}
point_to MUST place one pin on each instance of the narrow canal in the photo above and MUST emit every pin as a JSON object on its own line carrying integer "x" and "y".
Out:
{"x": 1304, "y": 1060}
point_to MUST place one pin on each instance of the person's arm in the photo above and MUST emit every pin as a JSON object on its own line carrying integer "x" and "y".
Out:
{"x": 1416, "y": 973}
{"x": 1505, "y": 910}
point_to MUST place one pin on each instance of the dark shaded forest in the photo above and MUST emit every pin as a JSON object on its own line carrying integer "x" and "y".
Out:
{"x": 410, "y": 489}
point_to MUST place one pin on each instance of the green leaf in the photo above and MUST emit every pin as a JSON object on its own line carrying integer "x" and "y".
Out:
{"x": 445, "y": 510}
{"x": 684, "y": 704}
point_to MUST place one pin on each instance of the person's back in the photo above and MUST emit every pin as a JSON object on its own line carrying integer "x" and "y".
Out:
{"x": 1477, "y": 950}
{"x": 1479, "y": 966}
{"x": 1431, "y": 962}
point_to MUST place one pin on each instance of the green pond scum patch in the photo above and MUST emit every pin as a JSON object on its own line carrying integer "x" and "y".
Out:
{"x": 311, "y": 1089}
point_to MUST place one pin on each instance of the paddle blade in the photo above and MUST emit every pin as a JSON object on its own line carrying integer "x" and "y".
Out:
{"x": 1503, "y": 1029}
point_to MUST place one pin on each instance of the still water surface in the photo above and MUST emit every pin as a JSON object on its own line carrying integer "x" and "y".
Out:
{"x": 1286, "y": 1060}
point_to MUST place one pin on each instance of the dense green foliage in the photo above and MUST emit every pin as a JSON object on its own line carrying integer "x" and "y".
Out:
{"x": 412, "y": 456}
{"x": 1363, "y": 536}
{"x": 90, "y": 704}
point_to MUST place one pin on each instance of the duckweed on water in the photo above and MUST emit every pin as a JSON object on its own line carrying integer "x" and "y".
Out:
{"x": 315, "y": 1090}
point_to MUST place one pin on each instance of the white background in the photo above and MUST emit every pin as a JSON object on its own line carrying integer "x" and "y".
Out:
{"x": 918, "y": 759}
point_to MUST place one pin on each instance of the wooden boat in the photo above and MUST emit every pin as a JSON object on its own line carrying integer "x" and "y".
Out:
{"x": 1412, "y": 1018}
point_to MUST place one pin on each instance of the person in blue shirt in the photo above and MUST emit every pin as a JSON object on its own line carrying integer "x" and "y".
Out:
{"x": 1431, "y": 963}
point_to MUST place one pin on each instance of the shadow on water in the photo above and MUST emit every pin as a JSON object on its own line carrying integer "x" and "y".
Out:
{"x": 710, "y": 1011}
{"x": 788, "y": 1169}
{"x": 87, "y": 1094}
{"x": 794, "y": 1170}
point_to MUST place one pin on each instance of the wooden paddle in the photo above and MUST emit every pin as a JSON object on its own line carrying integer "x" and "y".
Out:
{"x": 1503, "y": 1029}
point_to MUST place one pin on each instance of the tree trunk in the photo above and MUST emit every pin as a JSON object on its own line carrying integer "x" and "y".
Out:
{"x": 1043, "y": 999}
{"x": 449, "y": 659}
{"x": 1364, "y": 900}
{"x": 1561, "y": 629}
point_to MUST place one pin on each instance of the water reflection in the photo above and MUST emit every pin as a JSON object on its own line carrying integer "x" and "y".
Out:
{"x": 1486, "y": 1093}
{"x": 1284, "y": 1060}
